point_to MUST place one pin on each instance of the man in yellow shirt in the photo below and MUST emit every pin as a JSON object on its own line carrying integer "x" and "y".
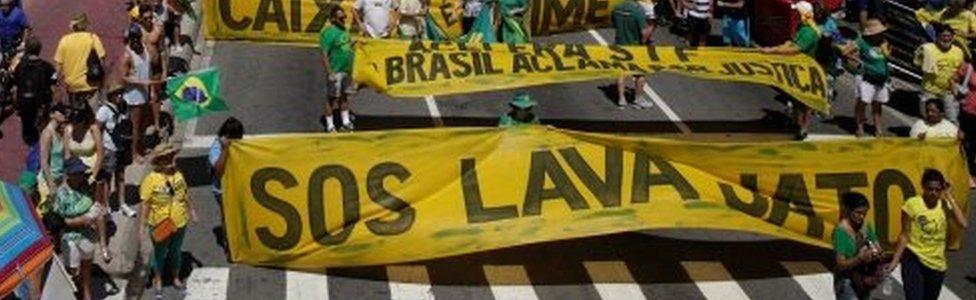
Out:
{"x": 962, "y": 21}
{"x": 939, "y": 62}
{"x": 72, "y": 61}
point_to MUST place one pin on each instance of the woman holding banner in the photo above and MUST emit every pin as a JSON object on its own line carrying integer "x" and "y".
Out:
{"x": 923, "y": 234}
{"x": 856, "y": 250}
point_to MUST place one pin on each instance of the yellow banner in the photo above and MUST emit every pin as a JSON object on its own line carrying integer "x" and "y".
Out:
{"x": 403, "y": 69}
{"x": 313, "y": 201}
{"x": 299, "y": 21}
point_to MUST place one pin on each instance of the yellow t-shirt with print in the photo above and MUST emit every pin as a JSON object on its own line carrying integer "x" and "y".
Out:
{"x": 166, "y": 196}
{"x": 72, "y": 55}
{"x": 928, "y": 236}
{"x": 938, "y": 67}
{"x": 964, "y": 23}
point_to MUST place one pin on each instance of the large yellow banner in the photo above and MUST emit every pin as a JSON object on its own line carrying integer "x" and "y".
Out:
{"x": 404, "y": 69}
{"x": 313, "y": 201}
{"x": 299, "y": 21}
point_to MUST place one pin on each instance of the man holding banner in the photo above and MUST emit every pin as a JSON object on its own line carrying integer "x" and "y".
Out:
{"x": 337, "y": 55}
{"x": 807, "y": 40}
{"x": 629, "y": 22}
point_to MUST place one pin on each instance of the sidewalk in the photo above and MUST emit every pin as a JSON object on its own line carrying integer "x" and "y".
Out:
{"x": 129, "y": 267}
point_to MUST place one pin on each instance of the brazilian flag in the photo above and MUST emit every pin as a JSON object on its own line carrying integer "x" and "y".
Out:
{"x": 195, "y": 94}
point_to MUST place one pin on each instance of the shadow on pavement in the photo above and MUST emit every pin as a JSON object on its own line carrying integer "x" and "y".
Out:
{"x": 651, "y": 258}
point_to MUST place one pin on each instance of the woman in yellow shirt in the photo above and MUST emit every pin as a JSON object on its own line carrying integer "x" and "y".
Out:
{"x": 165, "y": 203}
{"x": 923, "y": 234}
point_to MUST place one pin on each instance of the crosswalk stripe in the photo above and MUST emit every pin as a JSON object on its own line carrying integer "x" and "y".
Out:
{"x": 509, "y": 283}
{"x": 812, "y": 277}
{"x": 714, "y": 280}
{"x": 306, "y": 286}
{"x": 207, "y": 283}
{"x": 945, "y": 294}
{"x": 409, "y": 282}
{"x": 612, "y": 280}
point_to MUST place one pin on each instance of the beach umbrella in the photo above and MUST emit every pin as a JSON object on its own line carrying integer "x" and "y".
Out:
{"x": 24, "y": 247}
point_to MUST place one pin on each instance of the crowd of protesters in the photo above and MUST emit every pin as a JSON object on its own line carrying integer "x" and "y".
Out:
{"x": 84, "y": 121}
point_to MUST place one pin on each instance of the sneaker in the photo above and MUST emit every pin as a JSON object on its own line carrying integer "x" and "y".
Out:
{"x": 127, "y": 210}
{"x": 346, "y": 127}
{"x": 330, "y": 130}
{"x": 621, "y": 104}
{"x": 643, "y": 103}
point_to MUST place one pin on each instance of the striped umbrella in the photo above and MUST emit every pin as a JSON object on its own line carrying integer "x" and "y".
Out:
{"x": 24, "y": 247}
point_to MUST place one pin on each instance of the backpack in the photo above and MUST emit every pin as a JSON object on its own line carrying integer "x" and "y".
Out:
{"x": 121, "y": 136}
{"x": 96, "y": 72}
{"x": 34, "y": 80}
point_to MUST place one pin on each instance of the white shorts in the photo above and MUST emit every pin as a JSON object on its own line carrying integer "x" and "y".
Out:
{"x": 339, "y": 83}
{"x": 75, "y": 251}
{"x": 869, "y": 93}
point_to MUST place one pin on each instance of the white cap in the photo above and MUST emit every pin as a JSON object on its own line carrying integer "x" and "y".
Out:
{"x": 803, "y": 7}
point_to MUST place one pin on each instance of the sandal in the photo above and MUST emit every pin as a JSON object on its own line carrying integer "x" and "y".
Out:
{"x": 106, "y": 256}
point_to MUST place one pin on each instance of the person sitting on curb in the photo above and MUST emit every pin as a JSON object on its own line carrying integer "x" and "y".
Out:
{"x": 934, "y": 125}
{"x": 521, "y": 112}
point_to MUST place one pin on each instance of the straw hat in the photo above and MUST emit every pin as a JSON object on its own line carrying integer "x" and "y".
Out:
{"x": 162, "y": 150}
{"x": 874, "y": 27}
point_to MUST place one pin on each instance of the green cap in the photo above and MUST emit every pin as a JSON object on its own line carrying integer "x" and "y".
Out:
{"x": 522, "y": 100}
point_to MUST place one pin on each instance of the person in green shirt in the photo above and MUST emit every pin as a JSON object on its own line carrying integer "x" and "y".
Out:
{"x": 521, "y": 112}
{"x": 513, "y": 28}
{"x": 337, "y": 56}
{"x": 856, "y": 250}
{"x": 629, "y": 21}
{"x": 873, "y": 82}
{"x": 807, "y": 41}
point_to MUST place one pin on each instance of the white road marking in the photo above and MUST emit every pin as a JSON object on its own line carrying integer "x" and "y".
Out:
{"x": 207, "y": 283}
{"x": 409, "y": 282}
{"x": 655, "y": 97}
{"x": 666, "y": 109}
{"x": 812, "y": 277}
{"x": 714, "y": 281}
{"x": 509, "y": 283}
{"x": 596, "y": 35}
{"x": 306, "y": 286}
{"x": 613, "y": 280}
{"x": 435, "y": 113}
